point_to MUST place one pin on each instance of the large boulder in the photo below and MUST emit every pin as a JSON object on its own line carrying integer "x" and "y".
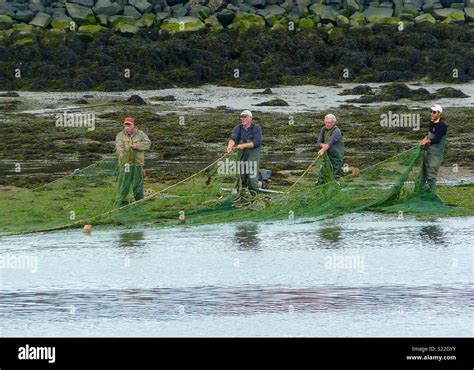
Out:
{"x": 114, "y": 19}
{"x": 325, "y": 12}
{"x": 357, "y": 19}
{"x": 353, "y": 6}
{"x": 162, "y": 16}
{"x": 36, "y": 7}
{"x": 23, "y": 28}
{"x": 244, "y": 21}
{"x": 213, "y": 23}
{"x": 41, "y": 20}
{"x": 272, "y": 11}
{"x": 125, "y": 28}
{"x": 469, "y": 14}
{"x": 106, "y": 7}
{"x": 142, "y": 5}
{"x": 303, "y": 3}
{"x": 91, "y": 28}
{"x": 88, "y": 3}
{"x": 215, "y": 5}
{"x": 457, "y": 18}
{"x": 80, "y": 14}
{"x": 130, "y": 11}
{"x": 26, "y": 40}
{"x": 180, "y": 12}
{"x": 256, "y": 3}
{"x": 454, "y": 14}
{"x": 5, "y": 22}
{"x": 147, "y": 20}
{"x": 306, "y": 23}
{"x": 57, "y": 12}
{"x": 247, "y": 8}
{"x": 24, "y": 15}
{"x": 377, "y": 15}
{"x": 182, "y": 24}
{"x": 425, "y": 19}
{"x": 61, "y": 23}
{"x": 342, "y": 21}
{"x": 200, "y": 11}
{"x": 7, "y": 9}
{"x": 225, "y": 17}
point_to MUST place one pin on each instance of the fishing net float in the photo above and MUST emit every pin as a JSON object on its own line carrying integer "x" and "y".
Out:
{"x": 89, "y": 197}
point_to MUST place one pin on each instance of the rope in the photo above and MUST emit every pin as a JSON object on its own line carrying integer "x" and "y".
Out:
{"x": 151, "y": 196}
{"x": 303, "y": 175}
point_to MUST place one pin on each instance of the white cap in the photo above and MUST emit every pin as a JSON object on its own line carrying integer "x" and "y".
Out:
{"x": 437, "y": 108}
{"x": 246, "y": 113}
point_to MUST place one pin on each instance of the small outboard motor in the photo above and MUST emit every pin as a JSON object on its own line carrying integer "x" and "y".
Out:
{"x": 264, "y": 178}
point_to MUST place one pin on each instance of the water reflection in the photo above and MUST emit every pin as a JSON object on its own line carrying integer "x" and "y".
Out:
{"x": 246, "y": 236}
{"x": 433, "y": 233}
{"x": 331, "y": 234}
{"x": 131, "y": 240}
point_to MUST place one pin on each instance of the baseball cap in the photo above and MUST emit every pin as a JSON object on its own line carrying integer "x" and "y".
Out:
{"x": 246, "y": 113}
{"x": 129, "y": 120}
{"x": 437, "y": 108}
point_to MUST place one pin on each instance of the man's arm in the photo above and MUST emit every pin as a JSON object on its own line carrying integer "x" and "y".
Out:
{"x": 230, "y": 145}
{"x": 234, "y": 137}
{"x": 336, "y": 136}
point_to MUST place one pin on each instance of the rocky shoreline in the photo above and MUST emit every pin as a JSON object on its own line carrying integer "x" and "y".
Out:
{"x": 60, "y": 60}
{"x": 129, "y": 16}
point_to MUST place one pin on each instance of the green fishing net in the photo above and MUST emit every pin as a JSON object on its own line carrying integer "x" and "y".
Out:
{"x": 90, "y": 196}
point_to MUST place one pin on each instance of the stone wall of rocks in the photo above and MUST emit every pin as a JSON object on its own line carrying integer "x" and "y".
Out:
{"x": 128, "y": 16}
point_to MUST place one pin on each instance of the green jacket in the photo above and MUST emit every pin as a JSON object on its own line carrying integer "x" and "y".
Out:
{"x": 123, "y": 141}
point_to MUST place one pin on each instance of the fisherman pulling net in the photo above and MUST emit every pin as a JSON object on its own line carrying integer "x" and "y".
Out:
{"x": 90, "y": 196}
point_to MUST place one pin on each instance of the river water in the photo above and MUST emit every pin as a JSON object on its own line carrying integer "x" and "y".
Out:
{"x": 356, "y": 276}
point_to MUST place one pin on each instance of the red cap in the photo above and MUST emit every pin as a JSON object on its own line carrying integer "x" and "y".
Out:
{"x": 129, "y": 120}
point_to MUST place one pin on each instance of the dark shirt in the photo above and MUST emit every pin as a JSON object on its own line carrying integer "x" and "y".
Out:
{"x": 336, "y": 136}
{"x": 438, "y": 129}
{"x": 252, "y": 134}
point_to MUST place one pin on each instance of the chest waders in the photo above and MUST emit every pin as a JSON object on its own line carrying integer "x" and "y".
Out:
{"x": 249, "y": 167}
{"x": 335, "y": 154}
{"x": 130, "y": 173}
{"x": 432, "y": 160}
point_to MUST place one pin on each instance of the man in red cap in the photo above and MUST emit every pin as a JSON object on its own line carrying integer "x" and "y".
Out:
{"x": 131, "y": 145}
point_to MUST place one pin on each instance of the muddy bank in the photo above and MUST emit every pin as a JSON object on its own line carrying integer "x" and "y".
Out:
{"x": 185, "y": 139}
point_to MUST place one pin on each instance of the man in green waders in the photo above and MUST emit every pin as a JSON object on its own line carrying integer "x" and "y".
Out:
{"x": 248, "y": 137}
{"x": 330, "y": 141}
{"x": 434, "y": 145}
{"x": 130, "y": 145}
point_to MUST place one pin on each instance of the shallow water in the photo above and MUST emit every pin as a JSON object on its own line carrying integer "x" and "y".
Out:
{"x": 357, "y": 275}
{"x": 305, "y": 98}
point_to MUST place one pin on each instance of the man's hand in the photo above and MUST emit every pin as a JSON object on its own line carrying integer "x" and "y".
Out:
{"x": 425, "y": 141}
{"x": 240, "y": 146}
{"x": 133, "y": 146}
{"x": 324, "y": 148}
{"x": 229, "y": 149}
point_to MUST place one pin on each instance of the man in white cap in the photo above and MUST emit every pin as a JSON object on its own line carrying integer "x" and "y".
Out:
{"x": 434, "y": 144}
{"x": 247, "y": 139}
